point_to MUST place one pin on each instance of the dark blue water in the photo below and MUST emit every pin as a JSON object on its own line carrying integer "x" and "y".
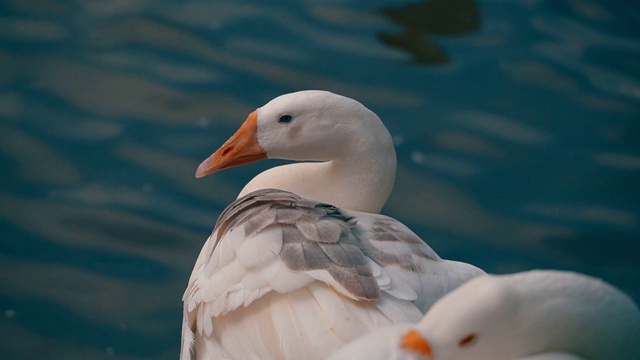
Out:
{"x": 516, "y": 124}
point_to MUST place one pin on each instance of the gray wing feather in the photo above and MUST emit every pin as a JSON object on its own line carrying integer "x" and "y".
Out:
{"x": 304, "y": 257}
{"x": 344, "y": 254}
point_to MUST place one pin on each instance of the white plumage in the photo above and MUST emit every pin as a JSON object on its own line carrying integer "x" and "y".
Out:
{"x": 535, "y": 315}
{"x": 285, "y": 275}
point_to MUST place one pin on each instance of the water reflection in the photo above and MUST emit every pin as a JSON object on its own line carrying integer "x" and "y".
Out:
{"x": 422, "y": 20}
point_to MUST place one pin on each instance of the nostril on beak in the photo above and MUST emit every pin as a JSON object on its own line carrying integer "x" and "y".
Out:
{"x": 225, "y": 151}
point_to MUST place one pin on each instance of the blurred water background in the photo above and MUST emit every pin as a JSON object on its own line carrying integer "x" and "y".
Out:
{"x": 516, "y": 125}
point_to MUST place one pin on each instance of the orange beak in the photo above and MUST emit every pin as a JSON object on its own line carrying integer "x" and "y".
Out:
{"x": 241, "y": 148}
{"x": 414, "y": 342}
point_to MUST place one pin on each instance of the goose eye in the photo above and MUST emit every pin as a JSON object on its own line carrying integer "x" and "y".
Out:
{"x": 285, "y": 119}
{"x": 467, "y": 340}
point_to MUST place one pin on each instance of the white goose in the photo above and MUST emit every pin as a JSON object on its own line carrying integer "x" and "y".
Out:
{"x": 286, "y": 277}
{"x": 535, "y": 315}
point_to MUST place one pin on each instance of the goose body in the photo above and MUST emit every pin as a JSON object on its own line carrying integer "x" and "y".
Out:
{"x": 301, "y": 263}
{"x": 535, "y": 315}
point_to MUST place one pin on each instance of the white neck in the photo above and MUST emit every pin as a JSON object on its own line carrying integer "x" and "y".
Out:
{"x": 360, "y": 180}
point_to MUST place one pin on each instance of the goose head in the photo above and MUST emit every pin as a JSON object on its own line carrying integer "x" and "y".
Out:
{"x": 308, "y": 125}
{"x": 317, "y": 127}
{"x": 459, "y": 328}
{"x": 501, "y": 317}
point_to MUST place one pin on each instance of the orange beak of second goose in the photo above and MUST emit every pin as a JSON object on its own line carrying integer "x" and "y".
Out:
{"x": 414, "y": 342}
{"x": 241, "y": 148}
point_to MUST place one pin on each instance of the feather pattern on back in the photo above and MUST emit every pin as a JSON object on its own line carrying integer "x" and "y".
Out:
{"x": 275, "y": 252}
